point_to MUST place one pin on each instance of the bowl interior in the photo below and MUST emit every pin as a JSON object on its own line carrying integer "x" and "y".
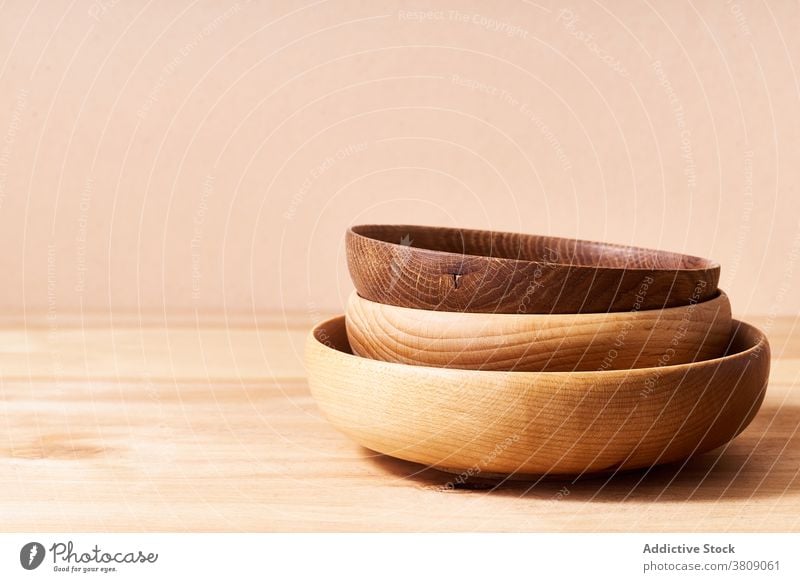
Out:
{"x": 517, "y": 246}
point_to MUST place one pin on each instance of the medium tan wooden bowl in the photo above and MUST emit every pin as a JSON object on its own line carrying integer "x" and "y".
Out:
{"x": 539, "y": 343}
{"x": 479, "y": 271}
{"x": 535, "y": 423}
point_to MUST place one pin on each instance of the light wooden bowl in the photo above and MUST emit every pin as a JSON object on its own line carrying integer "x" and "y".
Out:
{"x": 535, "y": 423}
{"x": 539, "y": 343}
{"x": 479, "y": 271}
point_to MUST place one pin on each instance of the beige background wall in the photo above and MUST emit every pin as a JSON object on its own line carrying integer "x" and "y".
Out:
{"x": 172, "y": 156}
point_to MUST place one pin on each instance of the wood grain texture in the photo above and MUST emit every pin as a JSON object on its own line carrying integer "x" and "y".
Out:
{"x": 479, "y": 271}
{"x": 535, "y": 343}
{"x": 547, "y": 423}
{"x": 127, "y": 429}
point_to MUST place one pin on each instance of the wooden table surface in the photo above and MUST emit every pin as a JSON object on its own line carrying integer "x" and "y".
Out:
{"x": 134, "y": 425}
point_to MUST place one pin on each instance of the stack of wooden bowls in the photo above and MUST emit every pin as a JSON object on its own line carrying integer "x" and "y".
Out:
{"x": 499, "y": 354}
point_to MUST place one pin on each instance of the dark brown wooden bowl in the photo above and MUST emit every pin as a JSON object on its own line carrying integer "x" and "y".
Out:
{"x": 479, "y": 271}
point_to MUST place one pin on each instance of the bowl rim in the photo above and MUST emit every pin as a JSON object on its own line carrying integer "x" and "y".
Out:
{"x": 736, "y": 326}
{"x": 705, "y": 264}
{"x": 612, "y": 316}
